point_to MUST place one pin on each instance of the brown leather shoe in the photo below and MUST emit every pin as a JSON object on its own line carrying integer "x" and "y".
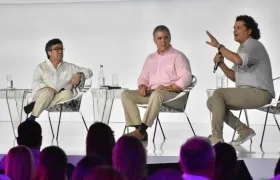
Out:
{"x": 138, "y": 135}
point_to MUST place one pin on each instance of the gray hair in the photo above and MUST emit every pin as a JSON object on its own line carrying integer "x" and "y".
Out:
{"x": 196, "y": 154}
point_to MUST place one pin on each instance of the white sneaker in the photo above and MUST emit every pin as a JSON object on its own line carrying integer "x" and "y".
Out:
{"x": 215, "y": 140}
{"x": 244, "y": 135}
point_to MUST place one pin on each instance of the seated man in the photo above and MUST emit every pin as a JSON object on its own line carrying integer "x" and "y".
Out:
{"x": 197, "y": 159}
{"x": 165, "y": 73}
{"x": 53, "y": 80}
{"x": 29, "y": 135}
{"x": 252, "y": 75}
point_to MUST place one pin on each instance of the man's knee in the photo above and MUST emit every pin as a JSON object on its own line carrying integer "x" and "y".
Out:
{"x": 157, "y": 94}
{"x": 66, "y": 94}
{"x": 219, "y": 92}
{"x": 125, "y": 95}
{"x": 209, "y": 103}
{"x": 46, "y": 92}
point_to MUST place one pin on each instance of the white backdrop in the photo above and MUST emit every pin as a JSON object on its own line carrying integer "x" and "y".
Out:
{"x": 119, "y": 36}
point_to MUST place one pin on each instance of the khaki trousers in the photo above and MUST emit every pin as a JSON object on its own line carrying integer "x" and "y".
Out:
{"x": 46, "y": 98}
{"x": 226, "y": 99}
{"x": 130, "y": 99}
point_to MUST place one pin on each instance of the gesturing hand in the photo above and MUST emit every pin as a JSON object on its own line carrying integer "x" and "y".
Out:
{"x": 213, "y": 41}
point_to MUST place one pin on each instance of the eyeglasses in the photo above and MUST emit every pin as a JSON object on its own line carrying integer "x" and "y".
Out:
{"x": 57, "y": 49}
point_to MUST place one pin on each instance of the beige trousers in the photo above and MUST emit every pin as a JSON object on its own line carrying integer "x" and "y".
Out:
{"x": 130, "y": 99}
{"x": 46, "y": 98}
{"x": 226, "y": 99}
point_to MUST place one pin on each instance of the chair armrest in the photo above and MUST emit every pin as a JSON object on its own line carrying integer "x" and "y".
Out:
{"x": 271, "y": 104}
{"x": 177, "y": 97}
{"x": 81, "y": 92}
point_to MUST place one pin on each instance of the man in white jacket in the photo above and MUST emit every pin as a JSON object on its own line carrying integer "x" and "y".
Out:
{"x": 53, "y": 80}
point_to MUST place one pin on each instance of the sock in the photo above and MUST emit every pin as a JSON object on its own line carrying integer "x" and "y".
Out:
{"x": 143, "y": 128}
{"x": 31, "y": 117}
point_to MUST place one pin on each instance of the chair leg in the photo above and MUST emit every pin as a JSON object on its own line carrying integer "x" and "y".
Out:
{"x": 190, "y": 123}
{"x": 161, "y": 128}
{"x": 155, "y": 129}
{"x": 264, "y": 126}
{"x": 83, "y": 120}
{"x": 237, "y": 123}
{"x": 59, "y": 121}
{"x": 51, "y": 124}
{"x": 124, "y": 129}
{"x": 276, "y": 122}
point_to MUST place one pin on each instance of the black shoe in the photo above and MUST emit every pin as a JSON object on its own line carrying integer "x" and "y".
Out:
{"x": 29, "y": 107}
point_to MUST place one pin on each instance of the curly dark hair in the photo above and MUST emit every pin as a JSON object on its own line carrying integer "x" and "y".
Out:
{"x": 250, "y": 23}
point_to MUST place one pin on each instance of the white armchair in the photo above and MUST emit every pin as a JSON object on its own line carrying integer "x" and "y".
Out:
{"x": 272, "y": 108}
{"x": 168, "y": 109}
{"x": 71, "y": 105}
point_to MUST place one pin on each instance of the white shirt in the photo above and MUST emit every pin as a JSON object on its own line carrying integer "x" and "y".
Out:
{"x": 45, "y": 75}
{"x": 193, "y": 177}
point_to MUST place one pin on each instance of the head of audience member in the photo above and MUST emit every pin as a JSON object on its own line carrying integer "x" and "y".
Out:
{"x": 277, "y": 171}
{"x": 104, "y": 173}
{"x": 129, "y": 158}
{"x": 19, "y": 164}
{"x": 52, "y": 165}
{"x": 225, "y": 161}
{"x": 100, "y": 141}
{"x": 245, "y": 27}
{"x": 197, "y": 157}
{"x": 166, "y": 174}
{"x": 162, "y": 38}
{"x": 54, "y": 50}
{"x": 85, "y": 165}
{"x": 30, "y": 134}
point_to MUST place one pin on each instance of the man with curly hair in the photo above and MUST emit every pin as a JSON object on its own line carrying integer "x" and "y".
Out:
{"x": 252, "y": 75}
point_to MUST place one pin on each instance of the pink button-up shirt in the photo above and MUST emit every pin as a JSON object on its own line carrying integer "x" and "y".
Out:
{"x": 165, "y": 69}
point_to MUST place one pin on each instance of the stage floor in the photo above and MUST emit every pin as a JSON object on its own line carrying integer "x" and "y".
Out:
{"x": 72, "y": 140}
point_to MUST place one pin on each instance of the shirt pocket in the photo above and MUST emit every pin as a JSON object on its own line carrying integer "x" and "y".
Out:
{"x": 65, "y": 76}
{"x": 168, "y": 69}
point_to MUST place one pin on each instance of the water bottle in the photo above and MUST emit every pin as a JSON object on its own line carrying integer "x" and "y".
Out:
{"x": 101, "y": 77}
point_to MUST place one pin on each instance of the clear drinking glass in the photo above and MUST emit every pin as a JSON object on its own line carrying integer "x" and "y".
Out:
{"x": 115, "y": 80}
{"x": 10, "y": 81}
{"x": 219, "y": 80}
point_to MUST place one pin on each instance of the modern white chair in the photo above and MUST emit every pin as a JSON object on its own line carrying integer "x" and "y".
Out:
{"x": 71, "y": 105}
{"x": 168, "y": 109}
{"x": 272, "y": 108}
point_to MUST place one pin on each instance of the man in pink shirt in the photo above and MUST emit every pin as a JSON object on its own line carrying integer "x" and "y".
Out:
{"x": 165, "y": 73}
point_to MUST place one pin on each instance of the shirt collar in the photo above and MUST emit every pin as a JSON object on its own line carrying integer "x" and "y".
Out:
{"x": 193, "y": 177}
{"x": 50, "y": 63}
{"x": 246, "y": 42}
{"x": 166, "y": 51}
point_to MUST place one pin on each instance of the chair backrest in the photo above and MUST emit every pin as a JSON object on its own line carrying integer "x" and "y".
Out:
{"x": 189, "y": 88}
{"x": 76, "y": 91}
